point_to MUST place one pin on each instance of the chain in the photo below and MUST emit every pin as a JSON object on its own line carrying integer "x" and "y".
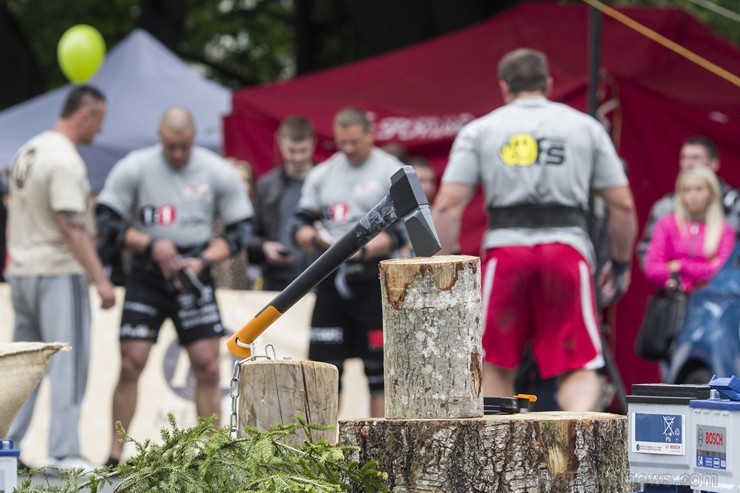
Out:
{"x": 234, "y": 393}
{"x": 234, "y": 386}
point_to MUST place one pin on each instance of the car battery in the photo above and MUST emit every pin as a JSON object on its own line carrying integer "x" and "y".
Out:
{"x": 8, "y": 466}
{"x": 715, "y": 436}
{"x": 658, "y": 422}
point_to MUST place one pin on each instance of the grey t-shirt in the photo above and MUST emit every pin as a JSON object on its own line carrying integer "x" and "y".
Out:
{"x": 176, "y": 204}
{"x": 534, "y": 151}
{"x": 343, "y": 193}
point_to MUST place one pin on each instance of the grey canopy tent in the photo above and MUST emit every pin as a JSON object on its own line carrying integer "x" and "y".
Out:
{"x": 140, "y": 78}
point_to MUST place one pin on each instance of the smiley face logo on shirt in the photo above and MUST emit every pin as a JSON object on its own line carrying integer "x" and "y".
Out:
{"x": 521, "y": 150}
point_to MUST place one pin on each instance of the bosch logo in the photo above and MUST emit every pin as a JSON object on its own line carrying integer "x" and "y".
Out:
{"x": 712, "y": 438}
{"x": 164, "y": 215}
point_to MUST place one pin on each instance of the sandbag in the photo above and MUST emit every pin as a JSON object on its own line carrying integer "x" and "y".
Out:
{"x": 22, "y": 365}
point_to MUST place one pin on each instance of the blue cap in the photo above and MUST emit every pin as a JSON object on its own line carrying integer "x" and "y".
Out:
{"x": 7, "y": 450}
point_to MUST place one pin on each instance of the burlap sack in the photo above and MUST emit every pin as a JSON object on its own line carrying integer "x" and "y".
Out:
{"x": 22, "y": 365}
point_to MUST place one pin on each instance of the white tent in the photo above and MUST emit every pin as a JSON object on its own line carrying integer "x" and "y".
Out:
{"x": 140, "y": 79}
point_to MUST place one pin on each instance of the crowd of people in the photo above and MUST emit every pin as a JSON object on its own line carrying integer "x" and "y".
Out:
{"x": 175, "y": 211}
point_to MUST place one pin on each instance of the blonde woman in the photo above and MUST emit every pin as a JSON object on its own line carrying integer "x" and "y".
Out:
{"x": 695, "y": 241}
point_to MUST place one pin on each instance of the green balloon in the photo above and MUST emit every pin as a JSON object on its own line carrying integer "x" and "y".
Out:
{"x": 80, "y": 52}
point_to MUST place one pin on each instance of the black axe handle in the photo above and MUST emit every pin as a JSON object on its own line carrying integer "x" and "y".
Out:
{"x": 373, "y": 223}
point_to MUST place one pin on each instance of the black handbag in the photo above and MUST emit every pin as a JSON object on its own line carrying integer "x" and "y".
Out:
{"x": 663, "y": 319}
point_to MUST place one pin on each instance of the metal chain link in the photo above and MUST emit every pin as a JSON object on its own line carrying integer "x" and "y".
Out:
{"x": 234, "y": 393}
{"x": 234, "y": 386}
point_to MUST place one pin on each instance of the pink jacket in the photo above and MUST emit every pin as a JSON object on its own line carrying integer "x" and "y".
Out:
{"x": 667, "y": 244}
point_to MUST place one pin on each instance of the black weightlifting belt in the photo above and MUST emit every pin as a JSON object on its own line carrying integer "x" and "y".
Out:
{"x": 537, "y": 216}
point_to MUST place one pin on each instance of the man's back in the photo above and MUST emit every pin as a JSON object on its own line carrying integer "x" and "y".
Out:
{"x": 533, "y": 151}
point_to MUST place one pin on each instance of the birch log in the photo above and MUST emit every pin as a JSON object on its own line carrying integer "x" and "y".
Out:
{"x": 432, "y": 349}
{"x": 273, "y": 392}
{"x": 516, "y": 453}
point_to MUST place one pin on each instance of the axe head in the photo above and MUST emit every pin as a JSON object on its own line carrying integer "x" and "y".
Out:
{"x": 411, "y": 205}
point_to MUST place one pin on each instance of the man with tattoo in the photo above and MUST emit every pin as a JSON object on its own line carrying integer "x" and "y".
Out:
{"x": 52, "y": 259}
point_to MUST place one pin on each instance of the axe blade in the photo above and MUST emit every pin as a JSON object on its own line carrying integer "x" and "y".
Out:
{"x": 411, "y": 205}
{"x": 421, "y": 230}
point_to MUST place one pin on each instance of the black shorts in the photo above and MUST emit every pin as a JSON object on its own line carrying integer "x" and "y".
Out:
{"x": 349, "y": 328}
{"x": 148, "y": 304}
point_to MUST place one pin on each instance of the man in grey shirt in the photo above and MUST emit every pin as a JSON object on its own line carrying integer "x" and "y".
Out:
{"x": 161, "y": 203}
{"x": 538, "y": 161}
{"x": 347, "y": 320}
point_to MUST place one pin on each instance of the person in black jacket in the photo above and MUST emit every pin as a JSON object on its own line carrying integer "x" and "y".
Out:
{"x": 276, "y": 196}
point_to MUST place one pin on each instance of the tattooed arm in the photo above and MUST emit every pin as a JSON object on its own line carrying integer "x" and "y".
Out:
{"x": 80, "y": 243}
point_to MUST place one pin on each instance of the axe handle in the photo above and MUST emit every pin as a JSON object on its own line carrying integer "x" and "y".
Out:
{"x": 372, "y": 224}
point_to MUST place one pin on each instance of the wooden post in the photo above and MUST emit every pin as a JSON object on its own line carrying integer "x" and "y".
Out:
{"x": 432, "y": 349}
{"x": 514, "y": 453}
{"x": 276, "y": 391}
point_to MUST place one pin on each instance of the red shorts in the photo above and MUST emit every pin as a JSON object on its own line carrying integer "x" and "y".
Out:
{"x": 542, "y": 294}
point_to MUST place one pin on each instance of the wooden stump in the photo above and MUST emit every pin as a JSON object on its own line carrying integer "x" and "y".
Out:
{"x": 432, "y": 327}
{"x": 517, "y": 453}
{"x": 273, "y": 392}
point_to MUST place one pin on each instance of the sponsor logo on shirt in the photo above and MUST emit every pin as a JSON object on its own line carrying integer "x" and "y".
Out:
{"x": 22, "y": 166}
{"x": 526, "y": 150}
{"x": 367, "y": 187}
{"x": 162, "y": 216}
{"x": 339, "y": 212}
{"x": 195, "y": 190}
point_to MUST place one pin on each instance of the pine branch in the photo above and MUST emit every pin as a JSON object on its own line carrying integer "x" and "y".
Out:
{"x": 207, "y": 459}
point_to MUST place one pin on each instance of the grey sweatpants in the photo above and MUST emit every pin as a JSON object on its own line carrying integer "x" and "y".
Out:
{"x": 55, "y": 309}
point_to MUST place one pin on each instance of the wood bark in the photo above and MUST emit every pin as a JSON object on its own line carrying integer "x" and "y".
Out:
{"x": 273, "y": 392}
{"x": 432, "y": 349}
{"x": 517, "y": 453}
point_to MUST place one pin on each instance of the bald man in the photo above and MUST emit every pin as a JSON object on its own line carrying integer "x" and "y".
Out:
{"x": 160, "y": 203}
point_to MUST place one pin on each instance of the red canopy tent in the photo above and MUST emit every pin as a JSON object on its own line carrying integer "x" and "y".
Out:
{"x": 421, "y": 96}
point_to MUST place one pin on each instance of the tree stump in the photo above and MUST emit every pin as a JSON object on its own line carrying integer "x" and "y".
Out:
{"x": 273, "y": 392}
{"x": 528, "y": 452}
{"x": 432, "y": 349}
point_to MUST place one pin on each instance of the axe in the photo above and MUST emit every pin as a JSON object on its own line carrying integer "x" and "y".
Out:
{"x": 405, "y": 201}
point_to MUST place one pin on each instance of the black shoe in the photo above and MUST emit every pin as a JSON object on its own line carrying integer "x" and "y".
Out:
{"x": 112, "y": 462}
{"x": 22, "y": 468}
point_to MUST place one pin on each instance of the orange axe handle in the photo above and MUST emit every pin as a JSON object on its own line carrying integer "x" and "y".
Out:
{"x": 251, "y": 331}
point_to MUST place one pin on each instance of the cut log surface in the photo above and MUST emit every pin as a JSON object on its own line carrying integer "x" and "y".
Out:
{"x": 276, "y": 391}
{"x": 529, "y": 452}
{"x": 432, "y": 327}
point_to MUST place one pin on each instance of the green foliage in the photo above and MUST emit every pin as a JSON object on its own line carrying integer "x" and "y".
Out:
{"x": 244, "y": 42}
{"x": 235, "y": 42}
{"x": 724, "y": 26}
{"x": 44, "y": 22}
{"x": 204, "y": 459}
{"x": 240, "y": 42}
